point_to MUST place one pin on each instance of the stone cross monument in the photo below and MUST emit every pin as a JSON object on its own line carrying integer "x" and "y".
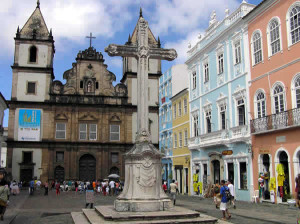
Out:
{"x": 142, "y": 190}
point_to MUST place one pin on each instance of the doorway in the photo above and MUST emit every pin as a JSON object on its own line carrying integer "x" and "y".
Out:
{"x": 59, "y": 174}
{"x": 230, "y": 172}
{"x": 87, "y": 168}
{"x": 216, "y": 171}
{"x": 283, "y": 159}
{"x": 26, "y": 175}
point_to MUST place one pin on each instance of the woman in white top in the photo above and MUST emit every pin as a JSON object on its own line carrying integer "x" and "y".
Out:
{"x": 231, "y": 189}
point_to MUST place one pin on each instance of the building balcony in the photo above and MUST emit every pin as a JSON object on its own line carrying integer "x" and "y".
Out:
{"x": 240, "y": 133}
{"x": 213, "y": 138}
{"x": 283, "y": 120}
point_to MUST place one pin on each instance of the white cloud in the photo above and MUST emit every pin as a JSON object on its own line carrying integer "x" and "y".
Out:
{"x": 181, "y": 45}
{"x": 184, "y": 16}
{"x": 69, "y": 19}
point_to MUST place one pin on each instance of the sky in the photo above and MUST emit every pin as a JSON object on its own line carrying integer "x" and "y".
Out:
{"x": 176, "y": 22}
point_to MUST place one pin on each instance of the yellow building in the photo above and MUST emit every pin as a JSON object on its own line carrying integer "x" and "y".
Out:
{"x": 181, "y": 153}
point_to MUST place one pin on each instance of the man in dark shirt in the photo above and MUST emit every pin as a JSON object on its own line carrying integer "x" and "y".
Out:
{"x": 224, "y": 200}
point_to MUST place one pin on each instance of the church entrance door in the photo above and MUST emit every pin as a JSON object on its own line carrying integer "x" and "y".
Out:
{"x": 59, "y": 174}
{"x": 87, "y": 168}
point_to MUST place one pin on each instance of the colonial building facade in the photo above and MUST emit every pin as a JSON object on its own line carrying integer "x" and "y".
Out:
{"x": 180, "y": 128}
{"x": 77, "y": 130}
{"x": 220, "y": 137}
{"x": 3, "y": 107}
{"x": 273, "y": 34}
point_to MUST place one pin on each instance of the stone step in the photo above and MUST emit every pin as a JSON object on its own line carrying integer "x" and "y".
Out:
{"x": 92, "y": 216}
{"x": 79, "y": 218}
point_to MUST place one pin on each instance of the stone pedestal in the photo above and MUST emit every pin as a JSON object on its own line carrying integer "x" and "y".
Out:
{"x": 143, "y": 188}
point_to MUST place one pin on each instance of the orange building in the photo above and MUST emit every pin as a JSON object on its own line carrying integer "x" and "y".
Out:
{"x": 274, "y": 41}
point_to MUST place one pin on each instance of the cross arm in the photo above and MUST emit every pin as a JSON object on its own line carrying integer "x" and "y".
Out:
{"x": 121, "y": 50}
{"x": 163, "y": 54}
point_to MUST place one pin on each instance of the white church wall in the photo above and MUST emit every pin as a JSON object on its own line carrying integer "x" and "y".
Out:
{"x": 41, "y": 86}
{"x": 18, "y": 157}
{"x": 153, "y": 65}
{"x": 42, "y": 55}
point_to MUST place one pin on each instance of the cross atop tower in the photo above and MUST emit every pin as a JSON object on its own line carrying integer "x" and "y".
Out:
{"x": 90, "y": 37}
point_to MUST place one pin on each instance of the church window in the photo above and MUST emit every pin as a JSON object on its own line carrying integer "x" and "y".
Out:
{"x": 260, "y": 102}
{"x": 195, "y": 125}
{"x": 31, "y": 87}
{"x": 60, "y": 131}
{"x": 222, "y": 117}
{"x": 82, "y": 131}
{"x": 114, "y": 132}
{"x": 257, "y": 48}
{"x": 32, "y": 54}
{"x": 93, "y": 132}
{"x": 97, "y": 85}
{"x": 243, "y": 175}
{"x": 274, "y": 36}
{"x": 114, "y": 157}
{"x": 295, "y": 24}
{"x": 278, "y": 98}
{"x": 27, "y": 157}
{"x": 81, "y": 84}
{"x": 297, "y": 91}
{"x": 59, "y": 156}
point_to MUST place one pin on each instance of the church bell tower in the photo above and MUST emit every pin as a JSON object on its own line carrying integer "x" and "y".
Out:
{"x": 33, "y": 60}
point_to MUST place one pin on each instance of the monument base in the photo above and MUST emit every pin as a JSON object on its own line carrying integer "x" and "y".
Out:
{"x": 107, "y": 214}
{"x": 142, "y": 205}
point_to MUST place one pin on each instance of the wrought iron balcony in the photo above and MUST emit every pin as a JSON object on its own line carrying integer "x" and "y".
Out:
{"x": 283, "y": 120}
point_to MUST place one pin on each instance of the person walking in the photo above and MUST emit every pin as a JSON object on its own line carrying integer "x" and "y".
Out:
{"x": 112, "y": 187}
{"x": 4, "y": 192}
{"x": 164, "y": 186}
{"x": 231, "y": 189}
{"x": 173, "y": 190}
{"x": 57, "y": 187}
{"x": 117, "y": 185}
{"x": 89, "y": 196}
{"x": 216, "y": 193}
{"x": 46, "y": 186}
{"x": 31, "y": 187}
{"x": 76, "y": 186}
{"x": 298, "y": 190}
{"x": 225, "y": 194}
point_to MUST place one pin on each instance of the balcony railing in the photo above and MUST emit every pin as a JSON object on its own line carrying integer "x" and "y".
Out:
{"x": 213, "y": 138}
{"x": 286, "y": 119}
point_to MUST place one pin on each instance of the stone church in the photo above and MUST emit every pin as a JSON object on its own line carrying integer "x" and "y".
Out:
{"x": 78, "y": 130}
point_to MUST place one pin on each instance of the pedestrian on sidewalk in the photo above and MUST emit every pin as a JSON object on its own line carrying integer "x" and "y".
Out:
{"x": 31, "y": 187}
{"x": 216, "y": 193}
{"x": 298, "y": 190}
{"x": 164, "y": 186}
{"x": 231, "y": 189}
{"x": 225, "y": 194}
{"x": 4, "y": 192}
{"x": 46, "y": 186}
{"x": 89, "y": 196}
{"x": 173, "y": 190}
{"x": 57, "y": 187}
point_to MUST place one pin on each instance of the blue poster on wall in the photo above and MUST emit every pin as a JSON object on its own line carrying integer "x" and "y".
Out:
{"x": 29, "y": 125}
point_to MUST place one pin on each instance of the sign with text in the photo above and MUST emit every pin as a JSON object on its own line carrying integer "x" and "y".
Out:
{"x": 227, "y": 152}
{"x": 29, "y": 125}
{"x": 264, "y": 151}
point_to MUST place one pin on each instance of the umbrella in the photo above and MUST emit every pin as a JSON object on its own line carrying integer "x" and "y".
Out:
{"x": 114, "y": 176}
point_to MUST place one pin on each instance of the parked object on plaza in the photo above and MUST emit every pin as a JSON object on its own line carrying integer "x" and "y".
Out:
{"x": 4, "y": 192}
{"x": 89, "y": 196}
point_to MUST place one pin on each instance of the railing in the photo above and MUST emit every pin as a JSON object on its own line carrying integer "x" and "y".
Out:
{"x": 286, "y": 119}
{"x": 213, "y": 138}
{"x": 239, "y": 131}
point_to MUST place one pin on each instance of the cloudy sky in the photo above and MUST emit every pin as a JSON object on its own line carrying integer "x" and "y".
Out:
{"x": 176, "y": 22}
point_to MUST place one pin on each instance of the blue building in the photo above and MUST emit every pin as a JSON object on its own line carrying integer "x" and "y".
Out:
{"x": 220, "y": 142}
{"x": 165, "y": 123}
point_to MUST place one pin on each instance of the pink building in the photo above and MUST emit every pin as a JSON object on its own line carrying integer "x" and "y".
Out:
{"x": 274, "y": 41}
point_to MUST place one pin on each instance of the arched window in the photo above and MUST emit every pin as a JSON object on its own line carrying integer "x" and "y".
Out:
{"x": 257, "y": 48}
{"x": 278, "y": 99}
{"x": 32, "y": 54}
{"x": 297, "y": 91}
{"x": 260, "y": 101}
{"x": 274, "y": 37}
{"x": 294, "y": 17}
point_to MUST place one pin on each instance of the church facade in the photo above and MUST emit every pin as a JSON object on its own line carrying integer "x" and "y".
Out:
{"x": 73, "y": 131}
